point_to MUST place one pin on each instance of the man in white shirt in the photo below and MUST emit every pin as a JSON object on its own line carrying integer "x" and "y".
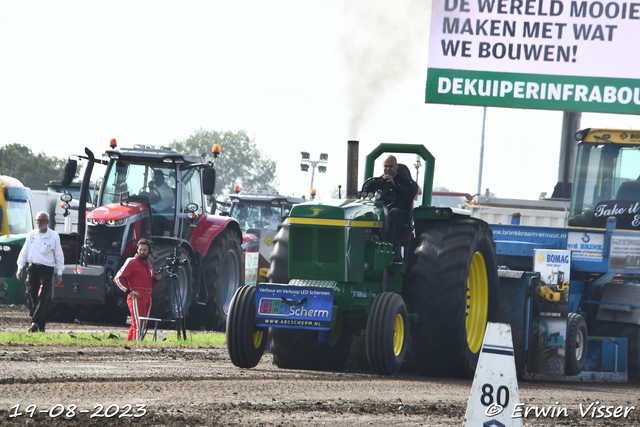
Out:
{"x": 162, "y": 194}
{"x": 43, "y": 252}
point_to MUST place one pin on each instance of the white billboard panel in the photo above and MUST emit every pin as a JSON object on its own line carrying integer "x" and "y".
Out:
{"x": 549, "y": 54}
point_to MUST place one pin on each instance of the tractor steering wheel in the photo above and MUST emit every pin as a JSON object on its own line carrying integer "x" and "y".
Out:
{"x": 380, "y": 184}
{"x": 153, "y": 194}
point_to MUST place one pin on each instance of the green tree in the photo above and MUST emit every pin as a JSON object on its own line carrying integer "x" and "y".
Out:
{"x": 33, "y": 170}
{"x": 240, "y": 161}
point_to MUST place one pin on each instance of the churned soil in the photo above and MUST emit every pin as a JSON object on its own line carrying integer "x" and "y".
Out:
{"x": 78, "y": 385}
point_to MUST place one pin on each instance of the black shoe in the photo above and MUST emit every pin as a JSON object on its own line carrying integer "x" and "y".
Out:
{"x": 33, "y": 328}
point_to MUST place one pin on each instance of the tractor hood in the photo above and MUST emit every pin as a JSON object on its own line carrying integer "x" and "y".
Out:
{"x": 355, "y": 213}
{"x": 327, "y": 239}
{"x": 115, "y": 212}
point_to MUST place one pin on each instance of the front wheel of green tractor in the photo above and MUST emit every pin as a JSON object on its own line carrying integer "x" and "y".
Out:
{"x": 387, "y": 333}
{"x": 454, "y": 292}
{"x": 245, "y": 341}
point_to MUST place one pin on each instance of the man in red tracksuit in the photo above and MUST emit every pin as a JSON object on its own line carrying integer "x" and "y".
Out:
{"x": 137, "y": 279}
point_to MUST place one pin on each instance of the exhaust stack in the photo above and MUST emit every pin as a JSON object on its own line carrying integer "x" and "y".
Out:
{"x": 352, "y": 169}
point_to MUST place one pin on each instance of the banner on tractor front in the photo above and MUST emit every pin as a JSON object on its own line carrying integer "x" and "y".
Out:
{"x": 301, "y": 307}
{"x": 625, "y": 253}
{"x": 550, "y": 311}
{"x": 544, "y": 54}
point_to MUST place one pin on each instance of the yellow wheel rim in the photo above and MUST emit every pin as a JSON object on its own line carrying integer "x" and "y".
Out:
{"x": 257, "y": 339}
{"x": 477, "y": 302}
{"x": 398, "y": 335}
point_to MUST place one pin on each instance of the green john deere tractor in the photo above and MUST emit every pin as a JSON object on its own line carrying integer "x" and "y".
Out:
{"x": 332, "y": 277}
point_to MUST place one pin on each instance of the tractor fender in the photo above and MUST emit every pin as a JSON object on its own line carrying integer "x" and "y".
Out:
{"x": 172, "y": 242}
{"x": 208, "y": 228}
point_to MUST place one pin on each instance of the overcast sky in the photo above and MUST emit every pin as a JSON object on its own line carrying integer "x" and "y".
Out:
{"x": 295, "y": 75}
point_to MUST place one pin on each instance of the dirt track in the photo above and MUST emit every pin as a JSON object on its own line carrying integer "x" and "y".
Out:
{"x": 189, "y": 386}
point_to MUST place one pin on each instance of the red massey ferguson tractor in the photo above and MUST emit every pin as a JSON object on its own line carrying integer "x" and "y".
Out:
{"x": 159, "y": 194}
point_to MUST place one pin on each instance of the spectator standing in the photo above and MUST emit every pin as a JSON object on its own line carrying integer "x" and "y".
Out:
{"x": 43, "y": 252}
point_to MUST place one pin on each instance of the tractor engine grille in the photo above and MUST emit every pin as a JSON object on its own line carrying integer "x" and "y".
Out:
{"x": 326, "y": 241}
{"x": 326, "y": 253}
{"x": 104, "y": 239}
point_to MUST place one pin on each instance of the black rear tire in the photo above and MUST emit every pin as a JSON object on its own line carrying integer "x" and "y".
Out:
{"x": 576, "y": 344}
{"x": 245, "y": 341}
{"x": 387, "y": 334}
{"x": 172, "y": 296}
{"x": 452, "y": 318}
{"x": 223, "y": 270}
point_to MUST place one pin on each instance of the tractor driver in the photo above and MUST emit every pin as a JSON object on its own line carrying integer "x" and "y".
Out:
{"x": 398, "y": 192}
{"x": 272, "y": 220}
{"x": 165, "y": 201}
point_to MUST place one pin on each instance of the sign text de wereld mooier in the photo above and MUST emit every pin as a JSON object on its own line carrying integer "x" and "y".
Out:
{"x": 530, "y": 29}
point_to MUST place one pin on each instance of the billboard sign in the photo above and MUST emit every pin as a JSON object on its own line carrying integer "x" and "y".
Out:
{"x": 545, "y": 54}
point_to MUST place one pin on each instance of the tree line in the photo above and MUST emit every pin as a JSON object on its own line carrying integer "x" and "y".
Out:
{"x": 241, "y": 162}
{"x": 33, "y": 170}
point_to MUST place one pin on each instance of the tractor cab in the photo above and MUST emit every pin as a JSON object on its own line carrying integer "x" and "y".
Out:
{"x": 152, "y": 184}
{"x": 149, "y": 192}
{"x": 260, "y": 210}
{"x": 259, "y": 214}
{"x": 606, "y": 186}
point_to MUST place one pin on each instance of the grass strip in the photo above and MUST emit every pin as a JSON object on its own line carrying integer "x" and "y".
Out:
{"x": 194, "y": 339}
